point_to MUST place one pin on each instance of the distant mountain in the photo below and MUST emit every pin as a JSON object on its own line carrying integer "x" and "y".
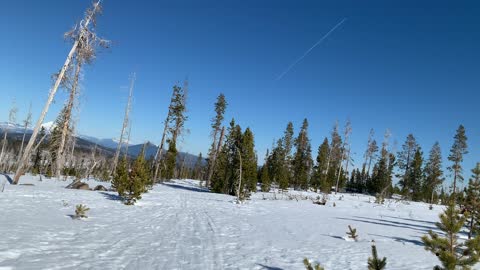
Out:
{"x": 106, "y": 146}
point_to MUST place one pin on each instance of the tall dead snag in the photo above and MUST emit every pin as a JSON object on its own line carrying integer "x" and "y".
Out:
{"x": 12, "y": 117}
{"x": 158, "y": 155}
{"x": 86, "y": 32}
{"x": 26, "y": 123}
{"x": 220, "y": 106}
{"x": 125, "y": 123}
{"x": 343, "y": 155}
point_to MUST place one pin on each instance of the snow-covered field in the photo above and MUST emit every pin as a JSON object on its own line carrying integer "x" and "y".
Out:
{"x": 180, "y": 226}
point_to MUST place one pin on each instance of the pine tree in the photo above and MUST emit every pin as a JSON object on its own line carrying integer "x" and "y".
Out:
{"x": 472, "y": 203}
{"x": 309, "y": 266}
{"x": 37, "y": 160}
{"x": 249, "y": 161}
{"x": 171, "y": 160}
{"x": 334, "y": 157}
{"x": 370, "y": 153}
{"x": 458, "y": 150}
{"x": 302, "y": 162}
{"x": 404, "y": 162}
{"x": 416, "y": 175}
{"x": 265, "y": 178}
{"x": 288, "y": 143}
{"x": 319, "y": 180}
{"x": 277, "y": 170}
{"x": 433, "y": 172}
{"x": 220, "y": 106}
{"x": 448, "y": 249}
{"x": 374, "y": 262}
{"x": 140, "y": 174}
{"x": 352, "y": 233}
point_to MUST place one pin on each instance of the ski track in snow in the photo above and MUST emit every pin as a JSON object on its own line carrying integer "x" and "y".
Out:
{"x": 179, "y": 226}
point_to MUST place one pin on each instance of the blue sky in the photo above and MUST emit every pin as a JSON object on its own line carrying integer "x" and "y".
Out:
{"x": 409, "y": 66}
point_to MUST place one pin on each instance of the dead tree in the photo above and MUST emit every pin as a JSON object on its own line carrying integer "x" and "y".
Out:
{"x": 83, "y": 27}
{"x": 26, "y": 123}
{"x": 159, "y": 153}
{"x": 125, "y": 124}
{"x": 12, "y": 117}
{"x": 343, "y": 154}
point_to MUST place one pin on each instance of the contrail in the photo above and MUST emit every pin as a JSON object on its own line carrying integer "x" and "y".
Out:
{"x": 309, "y": 50}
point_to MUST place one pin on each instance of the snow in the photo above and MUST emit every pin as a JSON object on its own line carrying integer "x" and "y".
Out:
{"x": 181, "y": 226}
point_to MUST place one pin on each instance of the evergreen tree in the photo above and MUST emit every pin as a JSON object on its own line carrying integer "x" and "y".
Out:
{"x": 404, "y": 162}
{"x": 140, "y": 172}
{"x": 458, "y": 150}
{"x": 277, "y": 170}
{"x": 302, "y": 162}
{"x": 448, "y": 249}
{"x": 433, "y": 172}
{"x": 416, "y": 176}
{"x": 374, "y": 262}
{"x": 249, "y": 161}
{"x": 220, "y": 106}
{"x": 472, "y": 203}
{"x": 37, "y": 160}
{"x": 288, "y": 143}
{"x": 335, "y": 157}
{"x": 265, "y": 178}
{"x": 171, "y": 160}
{"x": 319, "y": 180}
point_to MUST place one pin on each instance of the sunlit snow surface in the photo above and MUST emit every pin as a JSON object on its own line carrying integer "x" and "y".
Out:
{"x": 180, "y": 226}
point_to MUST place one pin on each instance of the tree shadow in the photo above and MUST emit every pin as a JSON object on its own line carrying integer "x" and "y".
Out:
{"x": 402, "y": 240}
{"x": 386, "y": 223}
{"x": 269, "y": 267}
{"x": 110, "y": 196}
{"x": 334, "y": 236}
{"x": 424, "y": 227}
{"x": 177, "y": 186}
{"x": 9, "y": 179}
{"x": 415, "y": 220}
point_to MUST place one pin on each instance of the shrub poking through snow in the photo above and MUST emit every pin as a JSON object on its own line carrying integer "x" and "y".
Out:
{"x": 448, "y": 249}
{"x": 379, "y": 199}
{"x": 81, "y": 211}
{"x": 430, "y": 207}
{"x": 308, "y": 265}
{"x": 321, "y": 201}
{"x": 375, "y": 263}
{"x": 352, "y": 233}
{"x": 131, "y": 185}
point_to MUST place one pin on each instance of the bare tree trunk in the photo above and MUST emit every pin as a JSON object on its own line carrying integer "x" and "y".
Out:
{"x": 4, "y": 144}
{"x": 66, "y": 124}
{"x": 158, "y": 155}
{"x": 26, "y": 123}
{"x": 124, "y": 126}
{"x": 26, "y": 155}
{"x": 219, "y": 147}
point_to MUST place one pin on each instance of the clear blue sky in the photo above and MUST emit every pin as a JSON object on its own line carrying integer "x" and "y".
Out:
{"x": 410, "y": 66}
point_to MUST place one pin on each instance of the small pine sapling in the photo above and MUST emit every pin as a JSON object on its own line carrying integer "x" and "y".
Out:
{"x": 81, "y": 211}
{"x": 374, "y": 262}
{"x": 308, "y": 265}
{"x": 352, "y": 233}
{"x": 448, "y": 249}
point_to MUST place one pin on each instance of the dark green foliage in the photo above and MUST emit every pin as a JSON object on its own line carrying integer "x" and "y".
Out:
{"x": 472, "y": 203}
{"x": 37, "y": 160}
{"x": 302, "y": 163}
{"x": 374, "y": 262}
{"x": 433, "y": 173}
{"x": 458, "y": 150}
{"x": 352, "y": 233}
{"x": 265, "y": 178}
{"x": 319, "y": 179}
{"x": 416, "y": 176}
{"x": 249, "y": 162}
{"x": 81, "y": 211}
{"x": 131, "y": 185}
{"x": 335, "y": 157}
{"x": 404, "y": 162}
{"x": 171, "y": 160}
{"x": 198, "y": 170}
{"x": 226, "y": 173}
{"x": 308, "y": 265}
{"x": 448, "y": 249}
{"x": 220, "y": 106}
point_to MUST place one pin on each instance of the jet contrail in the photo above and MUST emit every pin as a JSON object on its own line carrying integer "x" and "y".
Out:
{"x": 309, "y": 50}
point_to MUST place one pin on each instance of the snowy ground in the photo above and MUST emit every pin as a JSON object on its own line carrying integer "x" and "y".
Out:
{"x": 179, "y": 226}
